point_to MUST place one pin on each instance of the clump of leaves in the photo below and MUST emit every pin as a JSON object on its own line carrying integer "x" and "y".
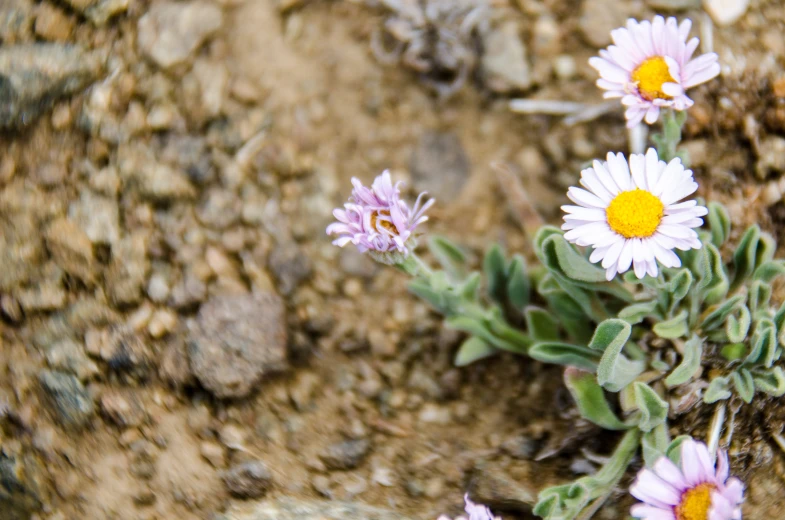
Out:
{"x": 637, "y": 352}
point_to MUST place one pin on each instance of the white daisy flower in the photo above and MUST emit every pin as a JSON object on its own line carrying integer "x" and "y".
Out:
{"x": 631, "y": 215}
{"x": 697, "y": 490}
{"x": 650, "y": 67}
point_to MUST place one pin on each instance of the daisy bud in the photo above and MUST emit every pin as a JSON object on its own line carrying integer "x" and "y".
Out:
{"x": 378, "y": 222}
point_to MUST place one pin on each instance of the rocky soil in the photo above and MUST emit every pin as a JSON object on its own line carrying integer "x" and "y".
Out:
{"x": 180, "y": 340}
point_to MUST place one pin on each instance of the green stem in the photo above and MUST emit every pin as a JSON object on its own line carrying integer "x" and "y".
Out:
{"x": 413, "y": 265}
{"x": 668, "y": 140}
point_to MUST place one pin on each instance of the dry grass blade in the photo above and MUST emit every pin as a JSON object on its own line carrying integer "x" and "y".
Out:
{"x": 519, "y": 202}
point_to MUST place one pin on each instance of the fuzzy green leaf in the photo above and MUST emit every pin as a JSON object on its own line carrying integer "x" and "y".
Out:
{"x": 759, "y": 297}
{"x": 673, "y": 328}
{"x": 422, "y": 289}
{"x": 637, "y": 312}
{"x": 679, "y": 286}
{"x": 738, "y": 328}
{"x": 714, "y": 282}
{"x": 655, "y": 444}
{"x": 719, "y": 223}
{"x": 565, "y": 354}
{"x": 470, "y": 287}
{"x": 718, "y": 313}
{"x": 674, "y": 449}
{"x": 733, "y": 351}
{"x": 494, "y": 267}
{"x": 769, "y": 271}
{"x": 590, "y": 398}
{"x": 518, "y": 287}
{"x": 718, "y": 390}
{"x": 482, "y": 330}
{"x": 745, "y": 254}
{"x": 763, "y": 344}
{"x": 471, "y": 350}
{"x": 653, "y": 409}
{"x": 615, "y": 370}
{"x": 690, "y": 363}
{"x": 745, "y": 386}
{"x": 561, "y": 255}
{"x": 771, "y": 382}
{"x": 541, "y": 324}
{"x": 448, "y": 254}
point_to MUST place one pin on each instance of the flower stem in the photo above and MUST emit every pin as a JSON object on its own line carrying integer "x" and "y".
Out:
{"x": 413, "y": 265}
{"x": 668, "y": 140}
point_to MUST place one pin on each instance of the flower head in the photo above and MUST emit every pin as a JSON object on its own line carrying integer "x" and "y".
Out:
{"x": 650, "y": 67}
{"x": 476, "y": 512}
{"x": 631, "y": 215}
{"x": 694, "y": 491}
{"x": 377, "y": 221}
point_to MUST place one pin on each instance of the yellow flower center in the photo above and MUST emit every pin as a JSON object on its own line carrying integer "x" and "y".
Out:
{"x": 635, "y": 214}
{"x": 695, "y": 503}
{"x": 377, "y": 223}
{"x": 650, "y": 75}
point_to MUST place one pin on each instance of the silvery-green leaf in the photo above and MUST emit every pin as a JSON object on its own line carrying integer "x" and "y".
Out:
{"x": 470, "y": 287}
{"x": 714, "y": 284}
{"x": 637, "y": 312}
{"x": 471, "y": 350}
{"x": 481, "y": 330}
{"x": 733, "y": 351}
{"x": 737, "y": 329}
{"x": 655, "y": 444}
{"x": 745, "y": 254}
{"x": 449, "y": 255}
{"x": 717, "y": 314}
{"x": 541, "y": 324}
{"x": 590, "y": 398}
{"x": 745, "y": 386}
{"x": 719, "y": 223}
{"x": 763, "y": 344}
{"x": 615, "y": 370}
{"x": 570, "y": 313}
{"x": 674, "y": 449}
{"x": 494, "y": 267}
{"x": 421, "y": 288}
{"x": 518, "y": 287}
{"x": 758, "y": 298}
{"x": 769, "y": 271}
{"x": 690, "y": 363}
{"x": 770, "y": 381}
{"x": 673, "y": 328}
{"x": 653, "y": 409}
{"x": 574, "y": 265}
{"x": 718, "y": 390}
{"x": 565, "y": 354}
{"x": 679, "y": 285}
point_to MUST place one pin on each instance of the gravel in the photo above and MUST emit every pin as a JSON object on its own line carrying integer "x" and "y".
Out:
{"x": 248, "y": 480}
{"x": 293, "y": 509}
{"x": 69, "y": 400}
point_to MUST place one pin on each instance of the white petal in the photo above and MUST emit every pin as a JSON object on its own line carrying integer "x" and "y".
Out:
{"x": 612, "y": 256}
{"x": 620, "y": 171}
{"x": 638, "y": 170}
{"x": 591, "y": 180}
{"x": 585, "y": 198}
{"x": 647, "y": 512}
{"x": 625, "y": 257}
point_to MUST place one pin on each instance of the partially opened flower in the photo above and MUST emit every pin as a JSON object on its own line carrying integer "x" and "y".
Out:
{"x": 694, "y": 491}
{"x": 476, "y": 512}
{"x": 631, "y": 215}
{"x": 378, "y": 222}
{"x": 650, "y": 67}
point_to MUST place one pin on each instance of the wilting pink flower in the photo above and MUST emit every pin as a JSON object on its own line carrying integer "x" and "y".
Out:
{"x": 650, "y": 67}
{"x": 694, "y": 491}
{"x": 377, "y": 221}
{"x": 476, "y": 512}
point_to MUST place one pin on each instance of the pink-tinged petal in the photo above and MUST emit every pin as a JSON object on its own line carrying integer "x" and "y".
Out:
{"x": 669, "y": 472}
{"x": 691, "y": 463}
{"x": 734, "y": 490}
{"x": 652, "y": 114}
{"x": 340, "y": 242}
{"x": 634, "y": 116}
{"x": 672, "y": 89}
{"x": 702, "y": 76}
{"x": 609, "y": 71}
{"x": 650, "y": 488}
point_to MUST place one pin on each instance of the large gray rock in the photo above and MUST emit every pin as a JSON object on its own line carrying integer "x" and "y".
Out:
{"x": 171, "y": 32}
{"x": 236, "y": 341}
{"x": 505, "y": 65}
{"x": 71, "y": 403}
{"x": 34, "y": 76}
{"x": 292, "y": 509}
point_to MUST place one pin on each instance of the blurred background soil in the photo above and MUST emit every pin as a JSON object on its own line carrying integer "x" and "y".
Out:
{"x": 179, "y": 340}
